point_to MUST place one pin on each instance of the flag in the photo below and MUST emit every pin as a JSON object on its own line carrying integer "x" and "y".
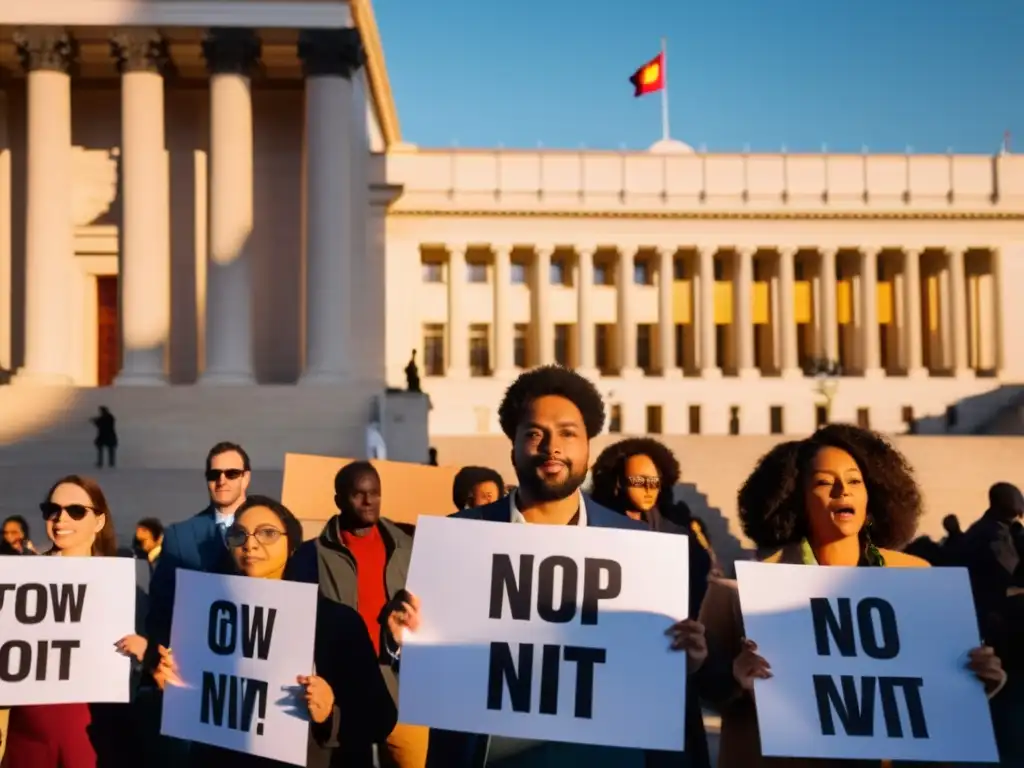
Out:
{"x": 650, "y": 77}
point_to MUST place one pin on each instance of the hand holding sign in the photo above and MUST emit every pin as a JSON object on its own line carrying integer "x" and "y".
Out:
{"x": 404, "y": 617}
{"x": 319, "y": 697}
{"x": 749, "y": 666}
{"x": 988, "y": 668}
{"x": 688, "y": 635}
{"x": 166, "y": 671}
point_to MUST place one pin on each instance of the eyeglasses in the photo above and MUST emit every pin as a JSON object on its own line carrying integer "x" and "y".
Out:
{"x": 236, "y": 537}
{"x": 644, "y": 481}
{"x": 213, "y": 475}
{"x": 51, "y": 510}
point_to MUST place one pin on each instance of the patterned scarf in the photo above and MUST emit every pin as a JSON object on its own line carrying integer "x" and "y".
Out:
{"x": 870, "y": 557}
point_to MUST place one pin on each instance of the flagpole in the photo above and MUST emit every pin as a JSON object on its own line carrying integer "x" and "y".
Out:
{"x": 664, "y": 92}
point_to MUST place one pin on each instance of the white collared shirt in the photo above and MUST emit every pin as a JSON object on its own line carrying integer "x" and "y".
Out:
{"x": 517, "y": 516}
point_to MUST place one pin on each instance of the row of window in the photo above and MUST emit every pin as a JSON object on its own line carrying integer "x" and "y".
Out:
{"x": 776, "y": 416}
{"x": 561, "y": 272}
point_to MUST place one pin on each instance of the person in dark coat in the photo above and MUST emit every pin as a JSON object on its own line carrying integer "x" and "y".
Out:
{"x": 551, "y": 414}
{"x": 106, "y": 437}
{"x": 349, "y": 705}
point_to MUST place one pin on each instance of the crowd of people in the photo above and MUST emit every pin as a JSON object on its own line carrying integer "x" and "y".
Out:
{"x": 842, "y": 497}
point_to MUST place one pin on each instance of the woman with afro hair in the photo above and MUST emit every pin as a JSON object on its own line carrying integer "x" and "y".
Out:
{"x": 843, "y": 496}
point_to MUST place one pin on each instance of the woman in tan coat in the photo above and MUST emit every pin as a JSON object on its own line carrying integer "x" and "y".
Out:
{"x": 843, "y": 496}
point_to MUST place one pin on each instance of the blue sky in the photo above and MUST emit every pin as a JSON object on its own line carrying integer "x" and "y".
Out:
{"x": 886, "y": 74}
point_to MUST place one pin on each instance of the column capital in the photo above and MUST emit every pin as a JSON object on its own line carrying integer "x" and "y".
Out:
{"x": 45, "y": 48}
{"x": 331, "y": 52}
{"x": 456, "y": 249}
{"x": 828, "y": 250}
{"x": 955, "y": 250}
{"x": 746, "y": 250}
{"x": 502, "y": 249}
{"x": 867, "y": 251}
{"x": 231, "y": 51}
{"x": 140, "y": 50}
{"x": 585, "y": 250}
{"x": 787, "y": 251}
{"x": 544, "y": 250}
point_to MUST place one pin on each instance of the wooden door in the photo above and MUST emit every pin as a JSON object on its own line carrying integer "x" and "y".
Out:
{"x": 108, "y": 336}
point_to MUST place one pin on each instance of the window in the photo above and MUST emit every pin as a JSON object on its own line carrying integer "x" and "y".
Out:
{"x": 602, "y": 274}
{"x": 519, "y": 345}
{"x": 776, "y": 420}
{"x": 433, "y": 272}
{"x": 615, "y": 418}
{"x": 559, "y": 272}
{"x": 820, "y": 416}
{"x": 719, "y": 269}
{"x": 694, "y": 419}
{"x": 642, "y": 274}
{"x": 679, "y": 269}
{"x": 479, "y": 350}
{"x": 909, "y": 420}
{"x": 734, "y": 419}
{"x": 433, "y": 349}
{"x": 518, "y": 273}
{"x": 562, "y": 344}
{"x": 602, "y": 358}
{"x": 799, "y": 270}
{"x": 654, "y": 419}
{"x": 952, "y": 417}
{"x": 476, "y": 272}
{"x": 864, "y": 418}
{"x": 643, "y": 347}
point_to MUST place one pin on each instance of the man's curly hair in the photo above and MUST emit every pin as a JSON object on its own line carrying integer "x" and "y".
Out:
{"x": 608, "y": 471}
{"x": 551, "y": 380}
{"x": 771, "y": 501}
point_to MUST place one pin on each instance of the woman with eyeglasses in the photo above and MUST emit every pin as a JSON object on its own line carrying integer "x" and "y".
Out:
{"x": 78, "y": 524}
{"x": 349, "y": 706}
{"x": 636, "y": 477}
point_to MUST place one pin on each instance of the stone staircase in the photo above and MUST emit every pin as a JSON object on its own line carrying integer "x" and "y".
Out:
{"x": 172, "y": 427}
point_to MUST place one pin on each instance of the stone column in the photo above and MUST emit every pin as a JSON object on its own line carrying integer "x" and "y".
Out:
{"x": 231, "y": 55}
{"x": 828, "y": 323}
{"x": 787, "y": 314}
{"x": 912, "y": 345}
{"x": 46, "y": 55}
{"x": 706, "y": 306}
{"x": 543, "y": 330}
{"x": 504, "y": 332}
{"x": 666, "y": 314}
{"x": 586, "y": 344}
{"x": 626, "y": 325}
{"x": 458, "y": 331}
{"x": 869, "y": 313}
{"x": 145, "y": 263}
{"x": 743, "y": 313}
{"x": 329, "y": 59}
{"x": 958, "y": 313}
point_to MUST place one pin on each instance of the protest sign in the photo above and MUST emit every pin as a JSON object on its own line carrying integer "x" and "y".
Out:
{"x": 59, "y": 620}
{"x": 239, "y": 643}
{"x": 547, "y": 632}
{"x": 867, "y": 663}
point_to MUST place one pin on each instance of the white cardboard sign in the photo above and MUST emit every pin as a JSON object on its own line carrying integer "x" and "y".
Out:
{"x": 59, "y": 620}
{"x": 552, "y": 633}
{"x": 239, "y": 643}
{"x": 867, "y": 663}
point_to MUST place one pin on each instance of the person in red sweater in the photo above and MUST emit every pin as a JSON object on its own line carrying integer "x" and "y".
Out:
{"x": 361, "y": 560}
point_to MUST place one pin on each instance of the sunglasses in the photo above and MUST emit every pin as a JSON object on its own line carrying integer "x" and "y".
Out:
{"x": 51, "y": 510}
{"x": 643, "y": 481}
{"x": 236, "y": 537}
{"x": 213, "y": 475}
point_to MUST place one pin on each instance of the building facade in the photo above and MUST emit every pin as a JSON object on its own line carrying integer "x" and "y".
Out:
{"x": 216, "y": 192}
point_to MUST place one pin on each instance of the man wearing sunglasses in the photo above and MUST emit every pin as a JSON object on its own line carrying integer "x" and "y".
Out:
{"x": 197, "y": 544}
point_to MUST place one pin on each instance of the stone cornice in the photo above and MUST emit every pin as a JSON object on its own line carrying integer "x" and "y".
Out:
{"x": 717, "y": 215}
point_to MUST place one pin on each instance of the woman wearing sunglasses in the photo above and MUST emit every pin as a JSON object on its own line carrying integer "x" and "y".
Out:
{"x": 78, "y": 524}
{"x": 349, "y": 705}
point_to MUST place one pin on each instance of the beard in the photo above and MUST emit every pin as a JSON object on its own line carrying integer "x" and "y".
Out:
{"x": 541, "y": 488}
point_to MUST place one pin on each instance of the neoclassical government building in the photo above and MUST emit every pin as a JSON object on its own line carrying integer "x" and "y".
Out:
{"x": 201, "y": 194}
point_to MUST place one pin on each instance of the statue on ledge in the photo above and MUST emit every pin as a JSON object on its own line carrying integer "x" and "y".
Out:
{"x": 412, "y": 375}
